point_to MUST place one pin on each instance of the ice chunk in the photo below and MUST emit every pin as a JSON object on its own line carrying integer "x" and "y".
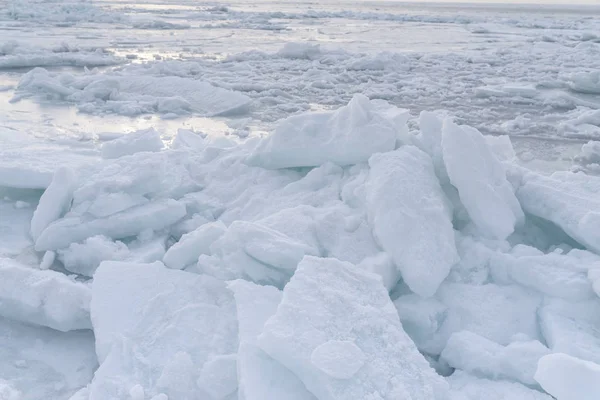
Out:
{"x": 260, "y": 376}
{"x": 568, "y": 378}
{"x": 43, "y": 363}
{"x": 139, "y": 141}
{"x": 154, "y": 216}
{"x": 482, "y": 357}
{"x": 84, "y": 258}
{"x": 481, "y": 181}
{"x": 586, "y": 82}
{"x": 346, "y": 136}
{"x": 560, "y": 275}
{"x": 145, "y": 317}
{"x": 329, "y": 300}
{"x": 130, "y": 181}
{"x": 134, "y": 94}
{"x": 255, "y": 252}
{"x": 467, "y": 387}
{"x": 31, "y": 164}
{"x": 295, "y": 50}
{"x": 429, "y": 140}
{"x": 487, "y": 310}
{"x": 193, "y": 244}
{"x": 410, "y": 217}
{"x": 46, "y": 298}
{"x": 570, "y": 200}
{"x": 502, "y": 147}
{"x": 345, "y": 234}
{"x": 187, "y": 139}
{"x": 572, "y": 328}
{"x": 55, "y": 201}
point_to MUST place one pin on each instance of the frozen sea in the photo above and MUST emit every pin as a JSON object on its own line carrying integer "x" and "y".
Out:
{"x": 181, "y": 181}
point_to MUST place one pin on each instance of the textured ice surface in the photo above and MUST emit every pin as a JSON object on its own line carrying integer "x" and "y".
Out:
{"x": 331, "y": 305}
{"x": 34, "y": 363}
{"x": 482, "y": 357}
{"x": 346, "y": 136}
{"x": 572, "y": 327}
{"x": 152, "y": 216}
{"x": 468, "y": 387}
{"x": 570, "y": 200}
{"x": 146, "y": 323}
{"x": 45, "y": 298}
{"x": 411, "y": 218}
{"x": 260, "y": 376}
{"x": 566, "y": 377}
{"x": 140, "y": 141}
{"x": 481, "y": 181}
{"x": 55, "y": 201}
{"x": 486, "y": 310}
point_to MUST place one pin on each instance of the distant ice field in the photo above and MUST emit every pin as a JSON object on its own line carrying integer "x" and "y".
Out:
{"x": 522, "y": 70}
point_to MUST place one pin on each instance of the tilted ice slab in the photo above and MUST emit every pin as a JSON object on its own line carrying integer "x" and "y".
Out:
{"x": 193, "y": 244}
{"x": 17, "y": 55}
{"x": 46, "y": 298}
{"x": 260, "y": 377}
{"x": 572, "y": 327}
{"x": 411, "y": 218}
{"x": 481, "y": 181}
{"x": 145, "y": 140}
{"x": 55, "y": 201}
{"x": 567, "y": 378}
{"x": 162, "y": 331}
{"x": 482, "y": 357}
{"x": 43, "y": 363}
{"x": 253, "y": 251}
{"x": 346, "y": 136}
{"x": 487, "y": 310}
{"x": 553, "y": 274}
{"x": 570, "y": 200}
{"x": 31, "y": 164}
{"x": 338, "y": 331}
{"x": 152, "y": 216}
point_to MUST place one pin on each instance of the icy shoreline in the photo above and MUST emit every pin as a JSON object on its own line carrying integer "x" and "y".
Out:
{"x": 257, "y": 201}
{"x": 430, "y": 220}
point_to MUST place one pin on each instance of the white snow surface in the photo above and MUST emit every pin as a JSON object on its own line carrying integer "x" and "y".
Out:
{"x": 299, "y": 201}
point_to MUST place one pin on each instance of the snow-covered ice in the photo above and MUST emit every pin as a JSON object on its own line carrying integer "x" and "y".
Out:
{"x": 299, "y": 201}
{"x": 331, "y": 312}
{"x": 566, "y": 377}
{"x": 481, "y": 181}
{"x": 482, "y": 357}
{"x": 411, "y": 217}
{"x": 259, "y": 375}
{"x": 45, "y": 298}
{"x": 346, "y": 136}
{"x": 159, "y": 328}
